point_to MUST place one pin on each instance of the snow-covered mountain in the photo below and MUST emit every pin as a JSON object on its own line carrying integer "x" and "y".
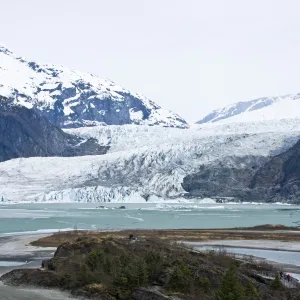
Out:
{"x": 69, "y": 98}
{"x": 221, "y": 157}
{"x": 262, "y": 109}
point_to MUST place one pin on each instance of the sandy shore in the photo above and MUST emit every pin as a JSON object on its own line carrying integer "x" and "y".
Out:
{"x": 19, "y": 246}
{"x": 17, "y": 249}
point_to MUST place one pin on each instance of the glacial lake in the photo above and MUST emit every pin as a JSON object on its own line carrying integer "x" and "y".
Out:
{"x": 46, "y": 217}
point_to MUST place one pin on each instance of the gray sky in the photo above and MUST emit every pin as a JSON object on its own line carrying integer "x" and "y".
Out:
{"x": 190, "y": 56}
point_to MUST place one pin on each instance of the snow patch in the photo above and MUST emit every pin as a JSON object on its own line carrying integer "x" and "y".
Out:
{"x": 136, "y": 115}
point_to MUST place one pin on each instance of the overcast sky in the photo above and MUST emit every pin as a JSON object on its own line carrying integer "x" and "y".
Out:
{"x": 190, "y": 56}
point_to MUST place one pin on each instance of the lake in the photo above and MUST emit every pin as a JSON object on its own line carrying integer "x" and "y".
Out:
{"x": 47, "y": 217}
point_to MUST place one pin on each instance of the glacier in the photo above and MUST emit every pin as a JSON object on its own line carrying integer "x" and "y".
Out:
{"x": 143, "y": 162}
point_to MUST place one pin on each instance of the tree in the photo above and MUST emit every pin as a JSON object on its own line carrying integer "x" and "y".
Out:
{"x": 181, "y": 280}
{"x": 250, "y": 291}
{"x": 276, "y": 284}
{"x": 231, "y": 288}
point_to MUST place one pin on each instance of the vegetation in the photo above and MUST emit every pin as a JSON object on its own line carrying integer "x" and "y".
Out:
{"x": 276, "y": 284}
{"x": 147, "y": 268}
{"x": 231, "y": 288}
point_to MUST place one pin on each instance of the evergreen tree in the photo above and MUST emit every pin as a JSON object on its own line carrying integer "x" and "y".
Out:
{"x": 181, "y": 280}
{"x": 250, "y": 291}
{"x": 142, "y": 271}
{"x": 276, "y": 284}
{"x": 231, "y": 288}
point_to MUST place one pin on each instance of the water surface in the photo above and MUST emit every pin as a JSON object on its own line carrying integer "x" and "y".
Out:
{"x": 283, "y": 257}
{"x": 45, "y": 217}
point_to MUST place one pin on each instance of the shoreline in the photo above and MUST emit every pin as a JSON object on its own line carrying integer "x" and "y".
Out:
{"x": 18, "y": 249}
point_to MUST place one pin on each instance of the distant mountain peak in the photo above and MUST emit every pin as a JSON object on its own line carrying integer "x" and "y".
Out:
{"x": 69, "y": 98}
{"x": 261, "y": 109}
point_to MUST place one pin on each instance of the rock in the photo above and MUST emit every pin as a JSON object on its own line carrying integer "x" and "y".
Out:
{"x": 148, "y": 294}
{"x": 24, "y": 133}
{"x": 122, "y": 207}
{"x": 224, "y": 179}
{"x": 93, "y": 296}
{"x": 277, "y": 179}
{"x": 31, "y": 277}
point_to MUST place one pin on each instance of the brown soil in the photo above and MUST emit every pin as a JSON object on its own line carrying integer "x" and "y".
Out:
{"x": 265, "y": 232}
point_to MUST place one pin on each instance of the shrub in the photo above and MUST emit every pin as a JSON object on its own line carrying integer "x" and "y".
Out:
{"x": 204, "y": 284}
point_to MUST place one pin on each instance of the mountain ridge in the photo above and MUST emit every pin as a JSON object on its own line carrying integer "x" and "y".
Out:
{"x": 71, "y": 99}
{"x": 264, "y": 108}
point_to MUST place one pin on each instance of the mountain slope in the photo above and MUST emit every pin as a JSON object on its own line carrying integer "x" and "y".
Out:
{"x": 24, "y": 133}
{"x": 69, "y": 98}
{"x": 267, "y": 108}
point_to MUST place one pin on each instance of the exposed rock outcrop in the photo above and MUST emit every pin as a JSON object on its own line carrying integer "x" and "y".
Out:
{"x": 276, "y": 180}
{"x": 279, "y": 179}
{"x": 24, "y": 133}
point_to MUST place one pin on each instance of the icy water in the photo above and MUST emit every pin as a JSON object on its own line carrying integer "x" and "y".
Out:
{"x": 283, "y": 257}
{"x": 20, "y": 218}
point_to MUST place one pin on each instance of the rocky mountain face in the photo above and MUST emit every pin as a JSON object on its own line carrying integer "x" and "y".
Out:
{"x": 278, "y": 179}
{"x": 71, "y": 99}
{"x": 24, "y": 133}
{"x": 223, "y": 179}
